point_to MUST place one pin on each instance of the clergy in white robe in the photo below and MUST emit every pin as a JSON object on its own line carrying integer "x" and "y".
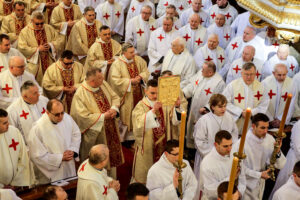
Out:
{"x": 216, "y": 167}
{"x": 15, "y": 170}
{"x": 296, "y": 103}
{"x": 224, "y": 31}
{"x": 179, "y": 4}
{"x": 195, "y": 9}
{"x": 93, "y": 181}
{"x": 53, "y": 143}
{"x": 290, "y": 190}
{"x": 111, "y": 13}
{"x": 222, "y": 7}
{"x": 170, "y": 12}
{"x": 27, "y": 108}
{"x": 12, "y": 79}
{"x": 200, "y": 87}
{"x": 211, "y": 51}
{"x": 160, "y": 43}
{"x": 207, "y": 126}
{"x": 136, "y": 7}
{"x": 179, "y": 61}
{"x": 259, "y": 146}
{"x": 270, "y": 40}
{"x": 162, "y": 178}
{"x": 194, "y": 34}
{"x": 282, "y": 56}
{"x": 85, "y": 3}
{"x": 234, "y": 69}
{"x": 138, "y": 30}
{"x": 246, "y": 92}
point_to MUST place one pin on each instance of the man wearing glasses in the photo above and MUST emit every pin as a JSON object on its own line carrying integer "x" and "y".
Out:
{"x": 53, "y": 144}
{"x": 62, "y": 79}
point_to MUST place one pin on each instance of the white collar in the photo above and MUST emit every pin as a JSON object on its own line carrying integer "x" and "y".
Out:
{"x": 89, "y": 24}
{"x": 67, "y": 7}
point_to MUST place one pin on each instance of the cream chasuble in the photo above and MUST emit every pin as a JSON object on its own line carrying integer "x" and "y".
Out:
{"x": 8, "y": 194}
{"x": 4, "y": 58}
{"x": 40, "y": 5}
{"x": 229, "y": 11}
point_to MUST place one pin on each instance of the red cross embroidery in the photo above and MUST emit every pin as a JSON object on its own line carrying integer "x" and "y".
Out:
{"x": 271, "y": 94}
{"x": 24, "y": 114}
{"x": 160, "y": 37}
{"x": 181, "y": 7}
{"x": 213, "y": 15}
{"x": 221, "y": 58}
{"x": 257, "y": 74}
{"x": 7, "y": 88}
{"x": 201, "y": 20}
{"x": 140, "y": 32}
{"x": 186, "y": 37}
{"x": 106, "y": 16}
{"x": 166, "y": 4}
{"x": 237, "y": 69}
{"x": 133, "y": 9}
{"x": 284, "y": 96}
{"x": 43, "y": 111}
{"x": 197, "y": 82}
{"x": 208, "y": 59}
{"x": 189, "y": 1}
{"x": 234, "y": 45}
{"x": 152, "y": 28}
{"x": 208, "y": 91}
{"x": 292, "y": 67}
{"x": 1, "y": 67}
{"x": 198, "y": 41}
{"x": 228, "y": 15}
{"x": 13, "y": 144}
{"x": 258, "y": 95}
{"x": 176, "y": 27}
{"x": 275, "y": 44}
{"x": 118, "y": 14}
{"x": 82, "y": 167}
{"x": 239, "y": 98}
{"x": 105, "y": 190}
{"x": 227, "y": 37}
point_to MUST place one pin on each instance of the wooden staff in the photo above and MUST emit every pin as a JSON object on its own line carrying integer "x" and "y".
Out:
{"x": 285, "y": 112}
{"x": 244, "y": 132}
{"x": 181, "y": 138}
{"x": 232, "y": 177}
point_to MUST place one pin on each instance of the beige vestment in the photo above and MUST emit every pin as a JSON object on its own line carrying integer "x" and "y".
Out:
{"x": 7, "y": 10}
{"x": 39, "y": 5}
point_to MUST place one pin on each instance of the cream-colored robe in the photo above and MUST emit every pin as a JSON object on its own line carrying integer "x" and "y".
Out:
{"x": 27, "y": 10}
{"x": 119, "y": 80}
{"x": 53, "y": 82}
{"x": 28, "y": 46}
{"x": 39, "y": 5}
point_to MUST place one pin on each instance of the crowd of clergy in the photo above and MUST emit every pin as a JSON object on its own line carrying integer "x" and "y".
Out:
{"x": 78, "y": 79}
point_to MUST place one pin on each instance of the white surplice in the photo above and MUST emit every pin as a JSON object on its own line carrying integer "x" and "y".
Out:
{"x": 8, "y": 194}
{"x": 225, "y": 34}
{"x": 296, "y": 103}
{"x": 290, "y": 190}
{"x": 4, "y": 58}
{"x": 136, "y": 7}
{"x": 84, "y": 3}
{"x": 180, "y": 5}
{"x": 185, "y": 16}
{"x": 229, "y": 11}
{"x": 160, "y": 181}
{"x": 176, "y": 22}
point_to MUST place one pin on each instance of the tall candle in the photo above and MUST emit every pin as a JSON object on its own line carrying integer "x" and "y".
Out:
{"x": 181, "y": 138}
{"x": 245, "y": 129}
{"x": 285, "y": 112}
{"x": 232, "y": 178}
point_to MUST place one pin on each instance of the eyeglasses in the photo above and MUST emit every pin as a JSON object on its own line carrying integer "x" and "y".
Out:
{"x": 58, "y": 114}
{"x": 174, "y": 154}
{"x": 38, "y": 24}
{"x": 71, "y": 63}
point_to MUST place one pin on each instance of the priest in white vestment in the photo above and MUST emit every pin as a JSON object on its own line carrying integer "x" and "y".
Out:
{"x": 195, "y": 9}
{"x": 93, "y": 182}
{"x": 85, "y": 3}
{"x": 15, "y": 168}
{"x": 12, "y": 79}
{"x": 296, "y": 103}
{"x": 138, "y": 30}
{"x": 282, "y": 56}
{"x": 179, "y": 61}
{"x": 222, "y": 7}
{"x": 136, "y": 7}
{"x": 234, "y": 69}
{"x": 259, "y": 146}
{"x": 53, "y": 143}
{"x": 179, "y": 4}
{"x": 224, "y": 31}
{"x": 211, "y": 51}
{"x": 270, "y": 40}
{"x": 170, "y": 12}
{"x": 246, "y": 92}
{"x": 200, "y": 87}
{"x": 162, "y": 178}
{"x": 160, "y": 43}
{"x": 216, "y": 167}
{"x": 194, "y": 34}
{"x": 27, "y": 108}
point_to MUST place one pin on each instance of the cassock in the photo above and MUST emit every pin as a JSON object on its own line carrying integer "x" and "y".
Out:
{"x": 10, "y": 87}
{"x": 150, "y": 131}
{"x": 56, "y": 77}
{"x": 225, "y": 34}
{"x": 40, "y": 5}
{"x": 12, "y": 26}
{"x": 93, "y": 3}
{"x": 160, "y": 181}
{"x": 290, "y": 190}
{"x": 100, "y": 52}
{"x": 159, "y": 44}
{"x": 8, "y": 194}
{"x": 214, "y": 170}
{"x": 46, "y": 148}
{"x": 185, "y": 16}
{"x": 296, "y": 86}
{"x": 4, "y": 58}
{"x": 15, "y": 169}
{"x": 234, "y": 69}
{"x": 176, "y": 22}
{"x": 121, "y": 71}
{"x": 229, "y": 11}
{"x": 182, "y": 64}
{"x": 205, "y": 131}
{"x": 136, "y": 7}
{"x": 216, "y": 55}
{"x": 82, "y": 37}
{"x": 200, "y": 89}
{"x": 88, "y": 108}
{"x": 290, "y": 62}
{"x": 138, "y": 33}
{"x": 258, "y": 151}
{"x": 29, "y": 42}
{"x": 194, "y": 38}
{"x": 93, "y": 184}
{"x": 111, "y": 15}
{"x": 241, "y": 96}
{"x": 22, "y": 115}
{"x": 179, "y": 4}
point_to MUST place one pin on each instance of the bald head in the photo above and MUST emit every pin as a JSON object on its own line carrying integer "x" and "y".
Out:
{"x": 213, "y": 41}
{"x": 178, "y": 45}
{"x": 194, "y": 21}
{"x": 249, "y": 34}
{"x": 283, "y": 51}
{"x": 16, "y": 65}
{"x": 248, "y": 53}
{"x": 220, "y": 20}
{"x": 280, "y": 71}
{"x": 99, "y": 155}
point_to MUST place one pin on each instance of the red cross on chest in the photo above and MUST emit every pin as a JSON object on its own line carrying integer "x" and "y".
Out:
{"x": 258, "y": 95}
{"x": 228, "y": 15}
{"x": 197, "y": 82}
{"x": 43, "y": 111}
{"x": 208, "y": 91}
{"x": 152, "y": 28}
{"x": 227, "y": 37}
{"x": 234, "y": 46}
{"x": 213, "y": 15}
{"x": 239, "y": 98}
{"x": 181, "y": 7}
{"x": 118, "y": 14}
{"x": 292, "y": 67}
{"x": 189, "y": 1}
{"x": 257, "y": 74}
{"x": 7, "y": 88}
{"x": 82, "y": 167}
{"x": 221, "y": 58}
{"x": 198, "y": 41}
{"x": 208, "y": 59}
{"x": 106, "y": 16}
{"x": 1, "y": 67}
{"x": 236, "y": 69}
{"x": 105, "y": 190}
{"x": 24, "y": 114}
{"x": 275, "y": 44}
{"x": 271, "y": 94}
{"x": 166, "y": 4}
{"x": 285, "y": 96}
{"x": 186, "y": 37}
{"x": 140, "y": 32}
{"x": 13, "y": 144}
{"x": 132, "y": 9}
{"x": 160, "y": 37}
